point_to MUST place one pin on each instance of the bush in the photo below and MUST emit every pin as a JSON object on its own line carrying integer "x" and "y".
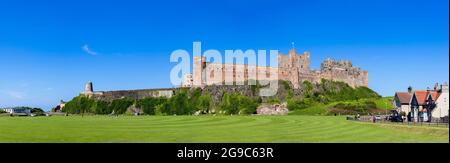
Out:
{"x": 355, "y": 107}
{"x": 287, "y": 87}
{"x": 179, "y": 104}
{"x": 307, "y": 89}
{"x": 79, "y": 105}
{"x": 297, "y": 104}
{"x": 237, "y": 104}
{"x": 204, "y": 104}
{"x": 101, "y": 107}
{"x": 161, "y": 109}
{"x": 149, "y": 105}
{"x": 120, "y": 106}
{"x": 37, "y": 111}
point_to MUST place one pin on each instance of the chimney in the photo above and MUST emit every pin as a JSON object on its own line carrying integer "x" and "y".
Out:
{"x": 444, "y": 88}
{"x": 410, "y": 89}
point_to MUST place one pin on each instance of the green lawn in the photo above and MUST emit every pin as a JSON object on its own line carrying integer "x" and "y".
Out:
{"x": 188, "y": 129}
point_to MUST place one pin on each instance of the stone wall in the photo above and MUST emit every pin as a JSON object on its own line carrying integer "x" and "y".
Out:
{"x": 134, "y": 94}
{"x": 292, "y": 67}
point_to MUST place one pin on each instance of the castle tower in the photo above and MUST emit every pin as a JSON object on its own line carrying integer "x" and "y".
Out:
{"x": 365, "y": 78}
{"x": 198, "y": 69}
{"x": 89, "y": 89}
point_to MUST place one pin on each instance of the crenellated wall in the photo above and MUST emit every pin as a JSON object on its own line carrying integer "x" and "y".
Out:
{"x": 292, "y": 67}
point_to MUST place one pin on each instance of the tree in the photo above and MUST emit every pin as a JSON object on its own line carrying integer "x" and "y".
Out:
{"x": 148, "y": 105}
{"x": 120, "y": 106}
{"x": 179, "y": 104}
{"x": 297, "y": 104}
{"x": 204, "y": 104}
{"x": 237, "y": 104}
{"x": 307, "y": 89}
{"x": 37, "y": 111}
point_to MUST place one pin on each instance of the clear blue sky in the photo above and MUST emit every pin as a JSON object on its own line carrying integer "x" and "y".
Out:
{"x": 42, "y": 59}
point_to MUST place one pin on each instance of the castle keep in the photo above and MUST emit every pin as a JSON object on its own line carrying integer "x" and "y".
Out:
{"x": 292, "y": 67}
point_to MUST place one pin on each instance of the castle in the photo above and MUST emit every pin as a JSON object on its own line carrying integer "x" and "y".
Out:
{"x": 293, "y": 67}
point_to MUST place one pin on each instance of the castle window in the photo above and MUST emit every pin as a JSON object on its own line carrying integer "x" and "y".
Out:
{"x": 212, "y": 74}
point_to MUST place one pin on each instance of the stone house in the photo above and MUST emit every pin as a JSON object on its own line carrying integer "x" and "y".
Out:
{"x": 429, "y": 104}
{"x": 402, "y": 101}
{"x": 423, "y": 105}
{"x": 439, "y": 102}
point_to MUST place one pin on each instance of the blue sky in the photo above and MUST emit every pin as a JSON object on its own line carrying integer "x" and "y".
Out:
{"x": 42, "y": 59}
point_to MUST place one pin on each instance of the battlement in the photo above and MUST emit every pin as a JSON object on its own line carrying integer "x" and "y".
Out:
{"x": 293, "y": 67}
{"x": 331, "y": 63}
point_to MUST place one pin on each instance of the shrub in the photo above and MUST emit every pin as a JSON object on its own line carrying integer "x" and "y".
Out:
{"x": 79, "y": 105}
{"x": 179, "y": 104}
{"x": 148, "y": 105}
{"x": 297, "y": 104}
{"x": 204, "y": 104}
{"x": 120, "y": 106}
{"x": 355, "y": 107}
{"x": 37, "y": 111}
{"x": 307, "y": 89}
{"x": 101, "y": 107}
{"x": 237, "y": 104}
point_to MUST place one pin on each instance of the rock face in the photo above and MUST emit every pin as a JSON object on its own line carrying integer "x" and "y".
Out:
{"x": 276, "y": 109}
{"x": 133, "y": 109}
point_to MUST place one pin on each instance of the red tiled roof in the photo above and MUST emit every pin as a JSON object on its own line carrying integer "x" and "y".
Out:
{"x": 404, "y": 97}
{"x": 435, "y": 95}
{"x": 421, "y": 97}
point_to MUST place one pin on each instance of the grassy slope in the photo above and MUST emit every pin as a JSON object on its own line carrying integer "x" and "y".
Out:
{"x": 209, "y": 129}
{"x": 322, "y": 109}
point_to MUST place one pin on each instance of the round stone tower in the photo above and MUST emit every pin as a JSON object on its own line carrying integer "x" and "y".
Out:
{"x": 89, "y": 89}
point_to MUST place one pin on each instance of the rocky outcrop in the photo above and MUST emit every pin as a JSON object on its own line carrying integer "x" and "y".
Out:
{"x": 276, "y": 109}
{"x": 135, "y": 110}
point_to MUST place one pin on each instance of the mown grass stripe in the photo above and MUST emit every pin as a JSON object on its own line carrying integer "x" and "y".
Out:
{"x": 192, "y": 129}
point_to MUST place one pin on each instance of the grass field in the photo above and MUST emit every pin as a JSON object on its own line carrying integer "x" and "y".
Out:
{"x": 190, "y": 129}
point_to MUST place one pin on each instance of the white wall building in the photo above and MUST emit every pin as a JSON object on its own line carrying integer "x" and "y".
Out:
{"x": 17, "y": 110}
{"x": 442, "y": 103}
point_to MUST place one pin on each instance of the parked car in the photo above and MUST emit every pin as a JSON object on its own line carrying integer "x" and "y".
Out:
{"x": 395, "y": 116}
{"x": 378, "y": 117}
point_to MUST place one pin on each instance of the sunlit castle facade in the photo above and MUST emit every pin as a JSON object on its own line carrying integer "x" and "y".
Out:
{"x": 292, "y": 67}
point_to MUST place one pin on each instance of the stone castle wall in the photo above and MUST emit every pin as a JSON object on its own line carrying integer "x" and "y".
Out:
{"x": 133, "y": 94}
{"x": 292, "y": 67}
